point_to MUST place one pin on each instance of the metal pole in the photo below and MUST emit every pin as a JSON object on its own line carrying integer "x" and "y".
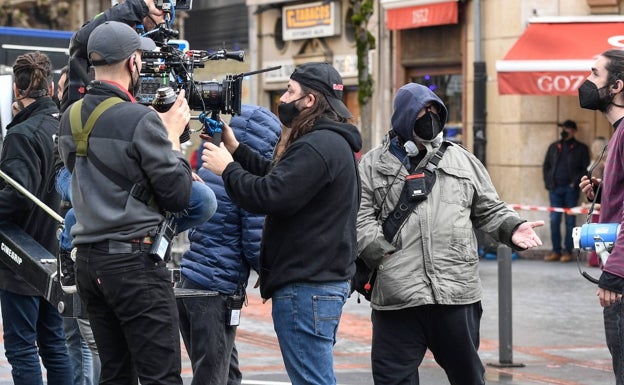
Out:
{"x": 33, "y": 198}
{"x": 505, "y": 349}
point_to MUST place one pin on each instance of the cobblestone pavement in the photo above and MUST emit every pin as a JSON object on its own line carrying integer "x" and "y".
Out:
{"x": 558, "y": 337}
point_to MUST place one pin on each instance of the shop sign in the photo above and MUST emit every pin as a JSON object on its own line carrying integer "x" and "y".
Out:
{"x": 311, "y": 20}
{"x": 439, "y": 13}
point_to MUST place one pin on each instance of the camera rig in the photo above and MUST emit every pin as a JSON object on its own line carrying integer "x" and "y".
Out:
{"x": 173, "y": 5}
{"x": 173, "y": 66}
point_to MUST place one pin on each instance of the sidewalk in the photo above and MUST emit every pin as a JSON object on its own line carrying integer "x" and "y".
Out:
{"x": 557, "y": 334}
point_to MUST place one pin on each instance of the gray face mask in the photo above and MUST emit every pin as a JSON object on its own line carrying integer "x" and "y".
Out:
{"x": 427, "y": 126}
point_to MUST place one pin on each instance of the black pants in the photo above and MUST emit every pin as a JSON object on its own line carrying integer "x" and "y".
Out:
{"x": 401, "y": 338}
{"x": 209, "y": 341}
{"x": 133, "y": 314}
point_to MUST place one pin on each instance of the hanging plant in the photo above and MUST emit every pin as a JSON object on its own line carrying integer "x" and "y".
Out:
{"x": 365, "y": 41}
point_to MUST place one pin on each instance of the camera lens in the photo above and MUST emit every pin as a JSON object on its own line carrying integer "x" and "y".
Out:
{"x": 165, "y": 97}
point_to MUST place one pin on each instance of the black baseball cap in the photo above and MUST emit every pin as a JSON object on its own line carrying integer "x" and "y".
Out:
{"x": 115, "y": 41}
{"x": 568, "y": 124}
{"x": 324, "y": 78}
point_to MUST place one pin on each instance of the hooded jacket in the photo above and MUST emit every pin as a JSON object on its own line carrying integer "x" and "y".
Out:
{"x": 227, "y": 246}
{"x": 28, "y": 158}
{"x": 311, "y": 200}
{"x": 433, "y": 257}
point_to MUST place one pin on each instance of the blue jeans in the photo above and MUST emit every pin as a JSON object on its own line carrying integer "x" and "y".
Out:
{"x": 614, "y": 333}
{"x": 79, "y": 353}
{"x": 32, "y": 328}
{"x": 567, "y": 197}
{"x": 305, "y": 318}
{"x": 202, "y": 205}
{"x": 63, "y": 181}
{"x": 87, "y": 336}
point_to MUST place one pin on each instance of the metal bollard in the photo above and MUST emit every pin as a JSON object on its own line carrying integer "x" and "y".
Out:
{"x": 505, "y": 349}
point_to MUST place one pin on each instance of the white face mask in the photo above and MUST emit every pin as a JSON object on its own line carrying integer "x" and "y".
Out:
{"x": 433, "y": 143}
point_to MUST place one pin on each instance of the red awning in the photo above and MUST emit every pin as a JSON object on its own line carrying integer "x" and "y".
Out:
{"x": 555, "y": 55}
{"x": 436, "y": 13}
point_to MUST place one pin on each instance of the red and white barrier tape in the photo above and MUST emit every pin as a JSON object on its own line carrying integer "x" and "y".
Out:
{"x": 572, "y": 210}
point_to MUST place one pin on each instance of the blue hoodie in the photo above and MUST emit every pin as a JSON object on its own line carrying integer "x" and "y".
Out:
{"x": 225, "y": 247}
{"x": 409, "y": 100}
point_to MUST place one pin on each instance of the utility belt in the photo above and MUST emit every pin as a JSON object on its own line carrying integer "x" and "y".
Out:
{"x": 121, "y": 247}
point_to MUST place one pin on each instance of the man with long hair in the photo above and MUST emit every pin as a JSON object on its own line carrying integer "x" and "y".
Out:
{"x": 310, "y": 195}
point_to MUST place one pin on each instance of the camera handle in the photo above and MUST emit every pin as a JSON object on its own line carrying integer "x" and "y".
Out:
{"x": 213, "y": 126}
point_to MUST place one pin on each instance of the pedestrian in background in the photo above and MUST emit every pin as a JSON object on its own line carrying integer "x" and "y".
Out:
{"x": 565, "y": 163}
{"x": 32, "y": 326}
{"x": 603, "y": 90}
{"x": 427, "y": 294}
{"x": 310, "y": 196}
{"x": 222, "y": 252}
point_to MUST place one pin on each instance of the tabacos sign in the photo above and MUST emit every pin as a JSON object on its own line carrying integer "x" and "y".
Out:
{"x": 311, "y": 20}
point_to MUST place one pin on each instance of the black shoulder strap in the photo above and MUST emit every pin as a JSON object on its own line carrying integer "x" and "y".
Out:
{"x": 406, "y": 204}
{"x": 81, "y": 135}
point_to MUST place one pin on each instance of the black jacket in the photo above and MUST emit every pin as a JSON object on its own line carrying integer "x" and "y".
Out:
{"x": 130, "y": 12}
{"x": 311, "y": 199}
{"x": 578, "y": 160}
{"x": 28, "y": 158}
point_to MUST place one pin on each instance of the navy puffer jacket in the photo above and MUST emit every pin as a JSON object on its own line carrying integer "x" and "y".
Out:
{"x": 226, "y": 247}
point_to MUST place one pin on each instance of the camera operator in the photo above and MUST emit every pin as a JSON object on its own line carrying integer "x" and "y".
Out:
{"x": 123, "y": 282}
{"x": 131, "y": 12}
{"x": 202, "y": 203}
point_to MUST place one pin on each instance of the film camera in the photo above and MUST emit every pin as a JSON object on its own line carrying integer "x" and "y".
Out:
{"x": 166, "y": 5}
{"x": 170, "y": 69}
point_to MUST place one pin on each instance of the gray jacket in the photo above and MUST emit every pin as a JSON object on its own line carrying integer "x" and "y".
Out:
{"x": 433, "y": 256}
{"x": 131, "y": 140}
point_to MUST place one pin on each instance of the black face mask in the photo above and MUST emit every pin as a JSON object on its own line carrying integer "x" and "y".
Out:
{"x": 564, "y": 135}
{"x": 593, "y": 98}
{"x": 288, "y": 111}
{"x": 427, "y": 126}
